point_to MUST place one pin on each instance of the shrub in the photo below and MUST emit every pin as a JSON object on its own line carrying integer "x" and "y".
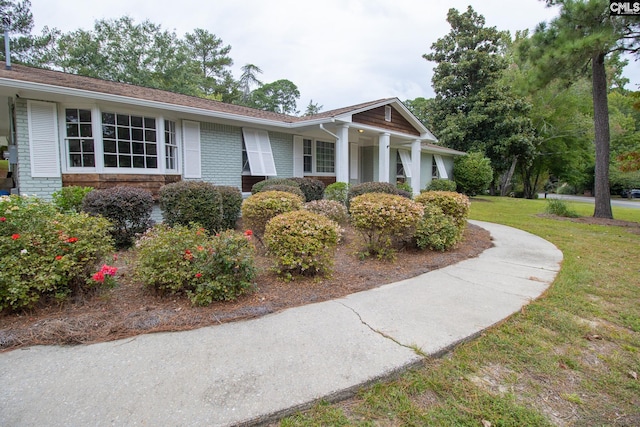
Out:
{"x": 231, "y": 205}
{"x": 453, "y": 204}
{"x": 375, "y": 187}
{"x": 69, "y": 199}
{"x": 257, "y": 187}
{"x": 259, "y": 208}
{"x": 286, "y": 188}
{"x": 188, "y": 260}
{"x": 128, "y": 209}
{"x": 46, "y": 253}
{"x": 384, "y": 219}
{"x": 337, "y": 192}
{"x": 302, "y": 242}
{"x": 436, "y": 230}
{"x": 560, "y": 208}
{"x": 312, "y": 188}
{"x": 187, "y": 202}
{"x": 333, "y": 210}
{"x": 404, "y": 186}
{"x": 442, "y": 185}
{"x": 473, "y": 173}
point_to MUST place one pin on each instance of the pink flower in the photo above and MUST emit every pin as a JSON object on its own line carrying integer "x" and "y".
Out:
{"x": 15, "y": 236}
{"x": 108, "y": 270}
{"x": 72, "y": 239}
{"x": 58, "y": 257}
{"x": 198, "y": 275}
{"x": 2, "y": 219}
{"x": 98, "y": 277}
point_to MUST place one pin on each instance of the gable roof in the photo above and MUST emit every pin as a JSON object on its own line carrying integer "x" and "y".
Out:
{"x": 23, "y": 78}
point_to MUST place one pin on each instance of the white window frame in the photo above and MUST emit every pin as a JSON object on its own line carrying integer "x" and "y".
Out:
{"x": 98, "y": 141}
{"x": 314, "y": 157}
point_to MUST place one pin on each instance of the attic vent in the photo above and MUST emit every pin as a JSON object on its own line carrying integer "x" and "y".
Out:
{"x": 387, "y": 113}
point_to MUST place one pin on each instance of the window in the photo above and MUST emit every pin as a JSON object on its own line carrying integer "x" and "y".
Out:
{"x": 170, "y": 145}
{"x": 434, "y": 169}
{"x": 80, "y": 144}
{"x": 307, "y": 155}
{"x": 325, "y": 157}
{"x": 399, "y": 166}
{"x": 129, "y": 141}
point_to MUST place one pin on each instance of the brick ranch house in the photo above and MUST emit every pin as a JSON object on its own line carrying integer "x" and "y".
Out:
{"x": 64, "y": 129}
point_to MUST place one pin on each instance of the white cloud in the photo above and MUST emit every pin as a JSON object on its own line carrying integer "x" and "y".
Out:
{"x": 338, "y": 52}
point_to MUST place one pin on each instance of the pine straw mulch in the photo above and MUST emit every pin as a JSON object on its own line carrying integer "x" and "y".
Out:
{"x": 130, "y": 309}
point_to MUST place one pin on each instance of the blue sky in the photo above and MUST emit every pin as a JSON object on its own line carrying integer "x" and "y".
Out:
{"x": 338, "y": 52}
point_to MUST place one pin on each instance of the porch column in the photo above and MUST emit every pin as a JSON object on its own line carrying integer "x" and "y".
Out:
{"x": 383, "y": 157}
{"x": 416, "y": 161}
{"x": 342, "y": 154}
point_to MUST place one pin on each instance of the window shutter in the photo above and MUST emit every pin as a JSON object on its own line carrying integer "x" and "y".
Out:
{"x": 354, "y": 162}
{"x": 298, "y": 157}
{"x": 441, "y": 169}
{"x": 258, "y": 147}
{"x": 405, "y": 158}
{"x": 192, "y": 156}
{"x": 43, "y": 139}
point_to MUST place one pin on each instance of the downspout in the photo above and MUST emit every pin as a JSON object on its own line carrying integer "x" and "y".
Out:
{"x": 329, "y": 132}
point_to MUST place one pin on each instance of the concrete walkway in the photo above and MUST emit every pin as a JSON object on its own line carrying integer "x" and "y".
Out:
{"x": 252, "y": 371}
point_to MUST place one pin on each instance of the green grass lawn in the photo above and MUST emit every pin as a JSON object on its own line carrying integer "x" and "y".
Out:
{"x": 571, "y": 358}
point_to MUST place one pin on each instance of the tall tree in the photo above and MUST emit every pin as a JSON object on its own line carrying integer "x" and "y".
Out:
{"x": 249, "y": 78}
{"x": 124, "y": 51}
{"x": 214, "y": 62}
{"x": 473, "y": 109}
{"x": 26, "y": 48}
{"x": 280, "y": 97}
{"x": 585, "y": 33}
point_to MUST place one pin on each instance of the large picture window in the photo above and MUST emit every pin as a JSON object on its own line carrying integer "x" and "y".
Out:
{"x": 129, "y": 141}
{"x": 80, "y": 144}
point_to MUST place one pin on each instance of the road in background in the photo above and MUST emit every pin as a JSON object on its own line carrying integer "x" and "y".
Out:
{"x": 628, "y": 203}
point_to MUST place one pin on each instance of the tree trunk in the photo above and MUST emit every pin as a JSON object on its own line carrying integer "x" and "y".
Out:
{"x": 505, "y": 186}
{"x": 601, "y": 125}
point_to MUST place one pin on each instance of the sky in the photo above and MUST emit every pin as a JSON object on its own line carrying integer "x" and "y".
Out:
{"x": 337, "y": 52}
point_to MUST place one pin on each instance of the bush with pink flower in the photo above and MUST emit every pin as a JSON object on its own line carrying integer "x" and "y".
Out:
{"x": 45, "y": 253}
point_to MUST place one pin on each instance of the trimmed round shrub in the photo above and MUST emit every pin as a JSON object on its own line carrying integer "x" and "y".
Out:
{"x": 188, "y": 260}
{"x": 473, "y": 173}
{"x": 259, "y": 208}
{"x": 375, "y": 187}
{"x": 453, "y": 204}
{"x": 197, "y": 202}
{"x": 257, "y": 187}
{"x": 436, "y": 231}
{"x": 69, "y": 199}
{"x": 337, "y": 191}
{"x": 47, "y": 254}
{"x": 286, "y": 188}
{"x": 302, "y": 242}
{"x": 312, "y": 188}
{"x": 404, "y": 186}
{"x": 383, "y": 220}
{"x": 333, "y": 210}
{"x": 128, "y": 209}
{"x": 442, "y": 185}
{"x": 231, "y": 205}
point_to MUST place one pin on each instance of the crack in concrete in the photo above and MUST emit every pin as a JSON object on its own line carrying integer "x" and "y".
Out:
{"x": 414, "y": 348}
{"x": 516, "y": 294}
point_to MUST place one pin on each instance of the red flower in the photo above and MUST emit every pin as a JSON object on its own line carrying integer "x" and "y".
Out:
{"x": 108, "y": 270}
{"x": 2, "y": 219}
{"x": 248, "y": 233}
{"x": 98, "y": 277}
{"x": 72, "y": 239}
{"x": 187, "y": 255}
{"x": 198, "y": 275}
{"x": 15, "y": 236}
{"x": 58, "y": 257}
